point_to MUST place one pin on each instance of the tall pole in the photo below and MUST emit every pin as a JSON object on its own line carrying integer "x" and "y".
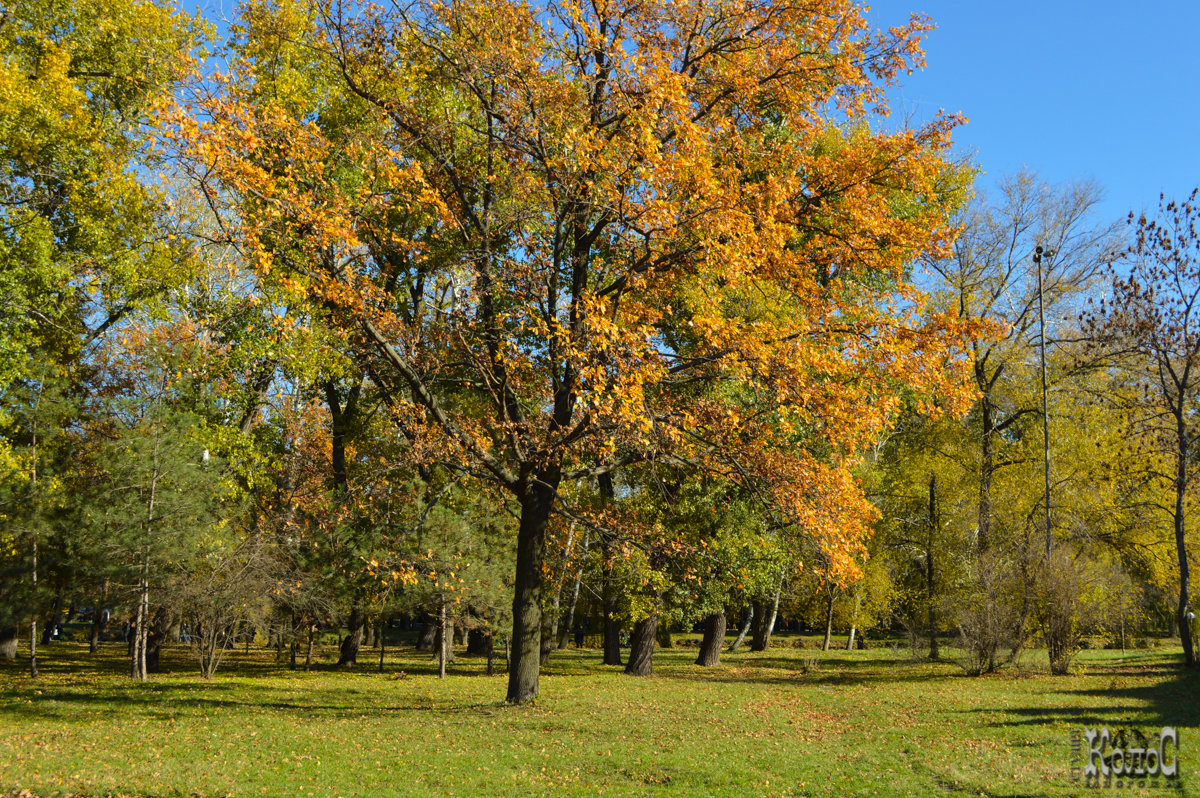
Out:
{"x": 1037, "y": 259}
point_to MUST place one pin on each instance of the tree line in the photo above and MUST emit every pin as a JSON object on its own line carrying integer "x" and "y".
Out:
{"x": 508, "y": 316}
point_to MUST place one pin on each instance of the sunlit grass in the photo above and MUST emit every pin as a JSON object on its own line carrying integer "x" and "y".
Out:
{"x": 783, "y": 722}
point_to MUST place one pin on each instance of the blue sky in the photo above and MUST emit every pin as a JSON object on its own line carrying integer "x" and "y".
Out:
{"x": 1102, "y": 90}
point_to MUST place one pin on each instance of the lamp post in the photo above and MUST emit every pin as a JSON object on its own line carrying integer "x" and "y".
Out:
{"x": 1048, "y": 254}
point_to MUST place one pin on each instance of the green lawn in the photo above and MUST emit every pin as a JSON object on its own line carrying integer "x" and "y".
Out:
{"x": 858, "y": 723}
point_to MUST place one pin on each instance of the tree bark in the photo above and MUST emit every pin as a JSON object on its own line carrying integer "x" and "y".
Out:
{"x": 746, "y": 624}
{"x": 524, "y": 665}
{"x": 764, "y": 624}
{"x": 770, "y": 628}
{"x": 714, "y": 640}
{"x": 641, "y": 647}
{"x": 353, "y": 641}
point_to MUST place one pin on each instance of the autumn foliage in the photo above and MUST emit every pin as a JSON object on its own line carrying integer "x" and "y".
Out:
{"x": 574, "y": 237}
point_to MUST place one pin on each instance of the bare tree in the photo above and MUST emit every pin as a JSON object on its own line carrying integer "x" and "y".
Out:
{"x": 992, "y": 276}
{"x": 1150, "y": 328}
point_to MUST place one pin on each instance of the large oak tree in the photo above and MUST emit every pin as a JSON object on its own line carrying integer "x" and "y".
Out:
{"x": 568, "y": 237}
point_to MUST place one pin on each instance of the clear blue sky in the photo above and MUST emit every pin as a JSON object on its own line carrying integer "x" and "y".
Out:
{"x": 1084, "y": 89}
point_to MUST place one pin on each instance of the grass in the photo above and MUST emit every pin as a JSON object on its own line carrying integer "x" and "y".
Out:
{"x": 781, "y": 722}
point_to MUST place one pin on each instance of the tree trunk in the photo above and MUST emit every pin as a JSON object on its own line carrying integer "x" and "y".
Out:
{"x": 8, "y": 642}
{"x": 831, "y": 595}
{"x": 156, "y": 635}
{"x": 664, "y": 636}
{"x": 99, "y": 620}
{"x": 612, "y": 632}
{"x": 491, "y": 654}
{"x": 641, "y": 647}
{"x": 758, "y": 627}
{"x": 549, "y": 638}
{"x": 930, "y": 573}
{"x": 141, "y": 622}
{"x": 714, "y": 639}
{"x": 33, "y": 671}
{"x": 353, "y": 641}
{"x": 52, "y": 619}
{"x": 612, "y": 625}
{"x": 428, "y": 637}
{"x": 770, "y": 628}
{"x": 369, "y": 638}
{"x": 524, "y": 664}
{"x": 986, "y": 467}
{"x": 746, "y": 624}
{"x": 854, "y": 621}
{"x": 1181, "y": 461}
{"x": 765, "y": 623}
{"x": 568, "y": 624}
{"x": 437, "y": 638}
{"x": 382, "y": 637}
{"x": 308, "y": 652}
{"x": 443, "y": 642}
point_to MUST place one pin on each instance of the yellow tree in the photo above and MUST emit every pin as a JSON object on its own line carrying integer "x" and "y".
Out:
{"x": 1149, "y": 327}
{"x": 574, "y": 236}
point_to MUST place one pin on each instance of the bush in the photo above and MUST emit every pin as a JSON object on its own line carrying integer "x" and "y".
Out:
{"x": 1070, "y": 602}
{"x": 988, "y": 613}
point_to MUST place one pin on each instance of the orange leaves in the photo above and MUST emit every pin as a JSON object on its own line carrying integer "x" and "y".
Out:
{"x": 586, "y": 232}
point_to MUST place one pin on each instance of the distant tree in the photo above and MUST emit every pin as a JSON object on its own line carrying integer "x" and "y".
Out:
{"x": 992, "y": 276}
{"x": 1149, "y": 326}
{"x": 157, "y": 502}
{"x": 83, "y": 234}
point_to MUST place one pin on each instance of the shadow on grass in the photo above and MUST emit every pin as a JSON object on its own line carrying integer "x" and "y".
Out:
{"x": 829, "y": 668}
{"x": 169, "y": 701}
{"x": 1170, "y": 702}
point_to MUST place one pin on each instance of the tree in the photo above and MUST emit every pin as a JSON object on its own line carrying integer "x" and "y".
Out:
{"x": 82, "y": 240}
{"x": 992, "y": 277}
{"x": 541, "y": 224}
{"x": 1149, "y": 325}
{"x": 157, "y": 501}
